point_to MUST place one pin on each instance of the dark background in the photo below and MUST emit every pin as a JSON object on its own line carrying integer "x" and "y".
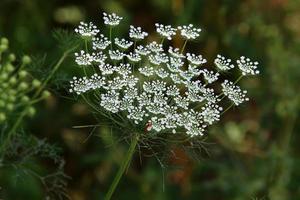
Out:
{"x": 253, "y": 153}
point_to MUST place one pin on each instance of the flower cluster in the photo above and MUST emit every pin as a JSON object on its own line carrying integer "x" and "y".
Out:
{"x": 163, "y": 91}
{"x": 16, "y": 85}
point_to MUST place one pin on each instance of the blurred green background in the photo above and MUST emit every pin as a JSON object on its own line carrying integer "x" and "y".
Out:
{"x": 253, "y": 153}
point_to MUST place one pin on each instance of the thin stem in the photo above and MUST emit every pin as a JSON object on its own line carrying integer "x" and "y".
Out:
{"x": 122, "y": 168}
{"x": 227, "y": 108}
{"x": 239, "y": 78}
{"x": 183, "y": 47}
{"x": 110, "y": 37}
{"x": 162, "y": 40}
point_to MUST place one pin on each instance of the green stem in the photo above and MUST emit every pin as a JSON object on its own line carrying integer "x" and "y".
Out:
{"x": 110, "y": 37}
{"x": 239, "y": 78}
{"x": 183, "y": 47}
{"x": 231, "y": 105}
{"x": 122, "y": 168}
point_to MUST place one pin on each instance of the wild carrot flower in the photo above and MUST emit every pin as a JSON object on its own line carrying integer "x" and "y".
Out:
{"x": 159, "y": 89}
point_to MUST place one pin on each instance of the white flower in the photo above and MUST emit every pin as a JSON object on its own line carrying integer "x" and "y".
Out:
{"x": 161, "y": 57}
{"x": 130, "y": 93}
{"x": 175, "y": 64}
{"x": 116, "y": 55}
{"x": 130, "y": 80}
{"x": 87, "y": 30}
{"x": 194, "y": 70}
{"x": 211, "y": 113}
{"x": 137, "y": 33}
{"x": 83, "y": 58}
{"x": 147, "y": 71}
{"x": 99, "y": 57}
{"x": 210, "y": 76}
{"x": 80, "y": 85}
{"x": 144, "y": 99}
{"x": 111, "y": 19}
{"x": 234, "y": 93}
{"x": 195, "y": 130}
{"x": 187, "y": 75}
{"x": 165, "y": 31}
{"x": 97, "y": 81}
{"x": 107, "y": 69}
{"x": 154, "y": 47}
{"x": 176, "y": 78}
{"x": 210, "y": 96}
{"x": 194, "y": 96}
{"x": 189, "y": 32}
{"x": 157, "y": 124}
{"x": 162, "y": 73}
{"x": 110, "y": 101}
{"x": 123, "y": 44}
{"x": 100, "y": 42}
{"x": 223, "y": 64}
{"x": 153, "y": 85}
{"x": 182, "y": 102}
{"x": 136, "y": 114}
{"x": 172, "y": 90}
{"x": 126, "y": 104}
{"x": 175, "y": 52}
{"x": 153, "y": 59}
{"x": 195, "y": 60}
{"x": 123, "y": 69}
{"x": 116, "y": 83}
{"x": 142, "y": 50}
{"x": 159, "y": 86}
{"x": 247, "y": 66}
{"x": 134, "y": 57}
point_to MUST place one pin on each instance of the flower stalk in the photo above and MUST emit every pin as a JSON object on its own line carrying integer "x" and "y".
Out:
{"x": 123, "y": 167}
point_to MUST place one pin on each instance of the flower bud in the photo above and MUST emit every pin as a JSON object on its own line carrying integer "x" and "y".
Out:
{"x": 4, "y": 41}
{"x": 46, "y": 94}
{"x": 3, "y": 47}
{"x": 36, "y": 83}
{"x": 3, "y": 76}
{"x": 25, "y": 99}
{"x": 13, "y": 80}
{"x": 10, "y": 106}
{"x": 2, "y": 103}
{"x": 23, "y": 74}
{"x": 11, "y": 98}
{"x": 23, "y": 86}
{"x": 11, "y": 57}
{"x": 2, "y": 117}
{"x": 31, "y": 111}
{"x": 9, "y": 67}
{"x": 26, "y": 60}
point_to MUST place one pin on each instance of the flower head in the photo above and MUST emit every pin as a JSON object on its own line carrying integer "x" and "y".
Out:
{"x": 234, "y": 93}
{"x": 87, "y": 30}
{"x": 123, "y": 44}
{"x": 247, "y": 66}
{"x": 223, "y": 64}
{"x": 165, "y": 31}
{"x": 153, "y": 86}
{"x": 189, "y": 32}
{"x": 111, "y": 19}
{"x": 100, "y": 43}
{"x": 137, "y": 33}
{"x": 195, "y": 60}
